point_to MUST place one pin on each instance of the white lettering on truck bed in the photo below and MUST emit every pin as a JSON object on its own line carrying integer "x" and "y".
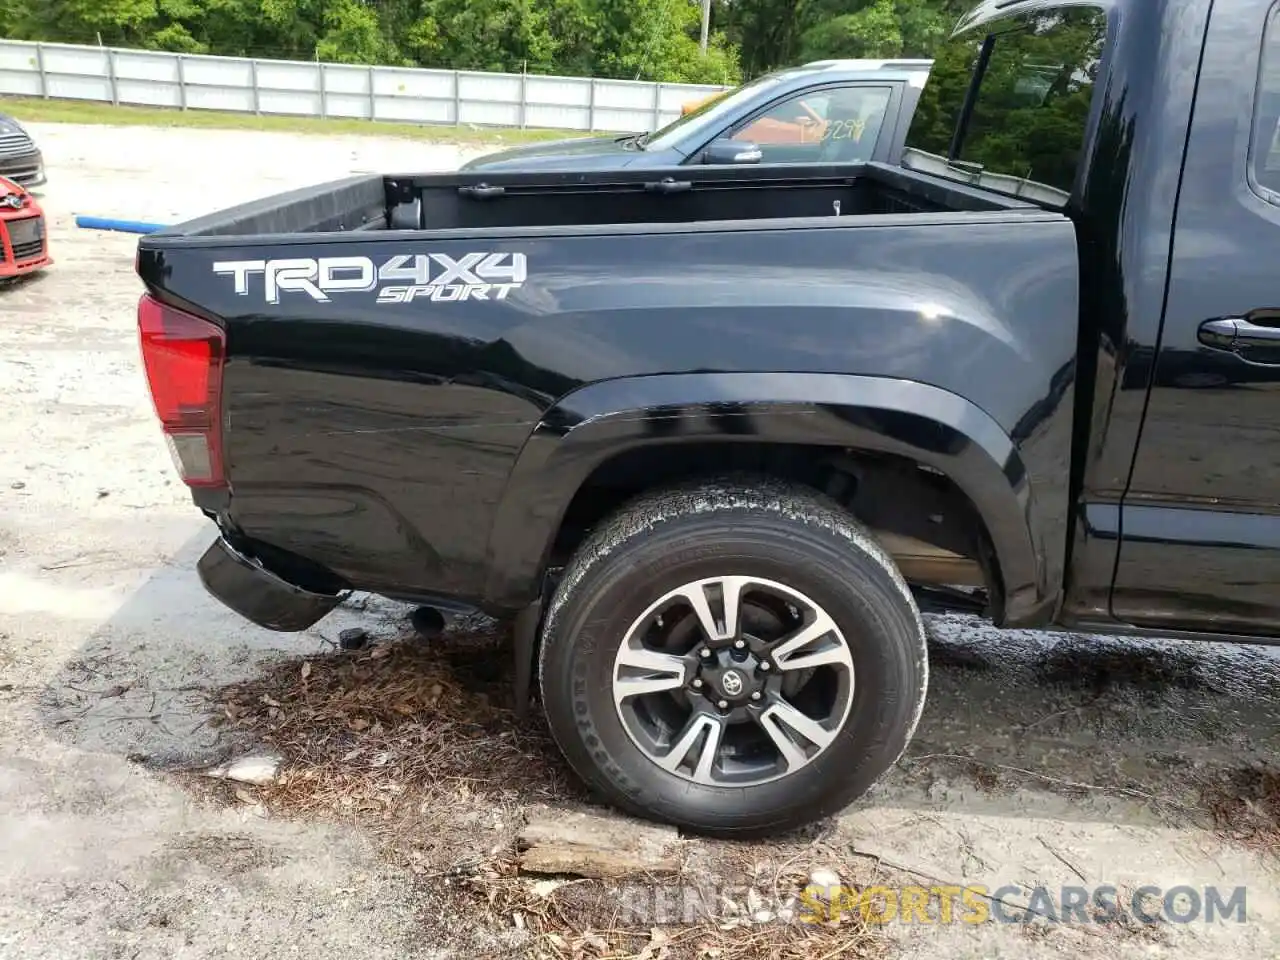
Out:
{"x": 423, "y": 276}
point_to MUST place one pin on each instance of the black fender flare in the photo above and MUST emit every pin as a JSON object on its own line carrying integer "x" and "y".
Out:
{"x": 932, "y": 426}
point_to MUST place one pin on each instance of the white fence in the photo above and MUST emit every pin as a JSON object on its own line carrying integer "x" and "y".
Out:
{"x": 290, "y": 88}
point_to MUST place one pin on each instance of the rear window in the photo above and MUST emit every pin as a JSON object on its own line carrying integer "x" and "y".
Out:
{"x": 1022, "y": 130}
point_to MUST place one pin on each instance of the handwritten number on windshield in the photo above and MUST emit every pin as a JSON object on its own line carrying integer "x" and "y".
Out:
{"x": 843, "y": 130}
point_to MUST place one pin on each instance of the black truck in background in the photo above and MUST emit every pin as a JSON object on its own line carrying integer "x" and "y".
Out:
{"x": 713, "y": 436}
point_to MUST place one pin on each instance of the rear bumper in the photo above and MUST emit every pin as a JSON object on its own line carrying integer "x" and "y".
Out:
{"x": 262, "y": 597}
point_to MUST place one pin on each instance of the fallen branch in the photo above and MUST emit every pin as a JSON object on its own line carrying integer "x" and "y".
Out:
{"x": 1063, "y": 860}
{"x": 591, "y": 845}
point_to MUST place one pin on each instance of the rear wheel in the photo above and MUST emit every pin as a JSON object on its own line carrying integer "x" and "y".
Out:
{"x": 735, "y": 658}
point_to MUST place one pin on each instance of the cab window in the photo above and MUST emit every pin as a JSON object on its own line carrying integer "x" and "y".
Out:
{"x": 1007, "y": 107}
{"x": 833, "y": 124}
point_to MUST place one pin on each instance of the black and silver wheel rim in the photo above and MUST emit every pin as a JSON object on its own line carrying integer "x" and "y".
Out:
{"x": 733, "y": 681}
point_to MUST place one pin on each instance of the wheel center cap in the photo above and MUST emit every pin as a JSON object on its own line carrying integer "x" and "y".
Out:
{"x": 731, "y": 676}
{"x": 732, "y": 683}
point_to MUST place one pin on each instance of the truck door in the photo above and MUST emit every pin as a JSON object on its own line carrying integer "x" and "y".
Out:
{"x": 1200, "y": 540}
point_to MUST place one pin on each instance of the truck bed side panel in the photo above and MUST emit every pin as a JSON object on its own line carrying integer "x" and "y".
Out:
{"x": 376, "y": 437}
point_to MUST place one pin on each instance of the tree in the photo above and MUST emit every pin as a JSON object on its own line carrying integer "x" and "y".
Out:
{"x": 499, "y": 35}
{"x": 1030, "y": 114}
{"x": 636, "y": 39}
{"x": 351, "y": 34}
{"x": 775, "y": 33}
{"x": 122, "y": 22}
{"x": 658, "y": 40}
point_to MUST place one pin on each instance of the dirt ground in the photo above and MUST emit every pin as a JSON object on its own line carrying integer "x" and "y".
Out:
{"x": 1041, "y": 761}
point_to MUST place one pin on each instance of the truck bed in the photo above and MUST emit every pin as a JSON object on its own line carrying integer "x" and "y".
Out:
{"x": 470, "y": 202}
{"x": 392, "y": 343}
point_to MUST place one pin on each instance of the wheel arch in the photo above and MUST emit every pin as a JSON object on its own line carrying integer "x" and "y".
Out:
{"x": 932, "y": 427}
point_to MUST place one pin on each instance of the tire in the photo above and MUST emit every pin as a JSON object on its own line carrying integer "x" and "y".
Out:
{"x": 789, "y": 546}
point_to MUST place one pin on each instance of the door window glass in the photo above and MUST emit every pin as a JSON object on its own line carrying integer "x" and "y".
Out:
{"x": 820, "y": 126}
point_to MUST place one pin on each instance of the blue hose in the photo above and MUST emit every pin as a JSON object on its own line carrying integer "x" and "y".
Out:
{"x": 124, "y": 226}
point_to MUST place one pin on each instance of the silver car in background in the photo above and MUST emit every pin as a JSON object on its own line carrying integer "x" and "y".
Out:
{"x": 20, "y": 158}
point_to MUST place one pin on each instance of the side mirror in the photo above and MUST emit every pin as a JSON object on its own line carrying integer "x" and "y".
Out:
{"x": 732, "y": 151}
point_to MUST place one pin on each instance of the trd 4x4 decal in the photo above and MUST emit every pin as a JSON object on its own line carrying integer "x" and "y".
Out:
{"x": 434, "y": 276}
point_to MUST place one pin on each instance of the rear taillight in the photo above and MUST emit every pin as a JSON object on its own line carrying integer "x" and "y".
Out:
{"x": 183, "y": 358}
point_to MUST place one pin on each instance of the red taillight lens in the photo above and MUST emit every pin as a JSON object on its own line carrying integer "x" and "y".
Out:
{"x": 183, "y": 358}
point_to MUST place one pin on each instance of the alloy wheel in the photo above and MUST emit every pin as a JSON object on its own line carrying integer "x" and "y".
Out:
{"x": 733, "y": 681}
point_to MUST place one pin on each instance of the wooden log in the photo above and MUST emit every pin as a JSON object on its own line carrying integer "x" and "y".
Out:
{"x": 596, "y": 845}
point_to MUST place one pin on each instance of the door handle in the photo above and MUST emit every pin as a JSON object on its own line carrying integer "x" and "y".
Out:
{"x": 1249, "y": 334}
{"x": 669, "y": 185}
{"x": 482, "y": 191}
{"x": 1246, "y": 339}
{"x": 1219, "y": 334}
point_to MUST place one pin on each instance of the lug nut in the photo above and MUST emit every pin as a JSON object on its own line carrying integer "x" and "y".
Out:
{"x": 723, "y": 704}
{"x": 705, "y": 653}
{"x": 756, "y": 695}
{"x": 739, "y": 644}
{"x": 697, "y": 683}
{"x": 764, "y": 664}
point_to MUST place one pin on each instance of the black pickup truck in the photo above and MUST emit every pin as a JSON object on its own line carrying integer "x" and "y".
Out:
{"x": 712, "y": 437}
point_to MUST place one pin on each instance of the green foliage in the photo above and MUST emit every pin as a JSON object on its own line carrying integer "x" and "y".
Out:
{"x": 656, "y": 40}
{"x": 117, "y": 21}
{"x": 175, "y": 38}
{"x": 502, "y": 35}
{"x": 936, "y": 113}
{"x": 635, "y": 39}
{"x": 9, "y": 17}
{"x": 639, "y": 39}
{"x": 773, "y": 33}
{"x": 1030, "y": 115}
{"x": 351, "y": 34}
{"x": 873, "y": 31}
{"x": 1027, "y": 121}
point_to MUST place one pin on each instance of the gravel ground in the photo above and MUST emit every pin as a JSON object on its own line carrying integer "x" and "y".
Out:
{"x": 1041, "y": 760}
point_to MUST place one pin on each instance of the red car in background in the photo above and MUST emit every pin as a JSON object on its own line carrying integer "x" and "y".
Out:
{"x": 24, "y": 242}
